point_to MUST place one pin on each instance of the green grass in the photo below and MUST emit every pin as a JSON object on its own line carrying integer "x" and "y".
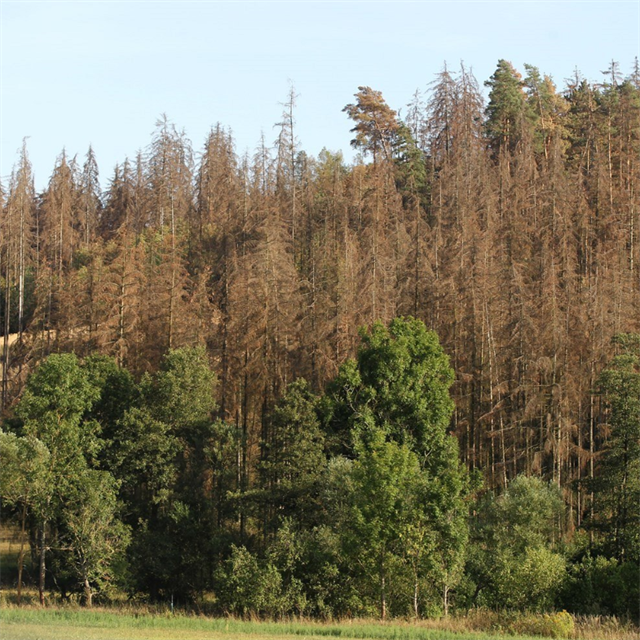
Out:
{"x": 70, "y": 624}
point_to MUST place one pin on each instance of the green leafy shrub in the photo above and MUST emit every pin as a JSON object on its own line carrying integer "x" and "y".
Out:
{"x": 250, "y": 586}
{"x": 549, "y": 625}
{"x": 602, "y": 586}
{"x": 556, "y": 625}
{"x": 512, "y": 562}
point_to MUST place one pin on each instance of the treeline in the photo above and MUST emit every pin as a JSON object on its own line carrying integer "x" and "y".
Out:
{"x": 509, "y": 228}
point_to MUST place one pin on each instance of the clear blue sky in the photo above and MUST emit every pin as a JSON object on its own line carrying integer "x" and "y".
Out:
{"x": 75, "y": 73}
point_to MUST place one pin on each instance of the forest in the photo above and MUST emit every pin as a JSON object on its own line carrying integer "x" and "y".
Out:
{"x": 288, "y": 385}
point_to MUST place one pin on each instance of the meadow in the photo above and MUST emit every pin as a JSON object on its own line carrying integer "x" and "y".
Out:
{"x": 57, "y": 624}
{"x": 71, "y": 622}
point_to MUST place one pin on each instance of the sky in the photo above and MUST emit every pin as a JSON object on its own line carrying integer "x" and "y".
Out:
{"x": 101, "y": 73}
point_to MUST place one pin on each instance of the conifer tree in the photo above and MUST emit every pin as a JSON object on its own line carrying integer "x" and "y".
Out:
{"x": 617, "y": 487}
{"x": 90, "y": 199}
{"x": 507, "y": 112}
{"x": 375, "y": 123}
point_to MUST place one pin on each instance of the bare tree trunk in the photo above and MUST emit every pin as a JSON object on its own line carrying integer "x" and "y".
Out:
{"x": 121, "y": 317}
{"x": 88, "y": 593}
{"x": 173, "y": 276}
{"x": 21, "y": 554}
{"x": 21, "y": 273}
{"x": 42, "y": 568}
{"x": 5, "y": 337}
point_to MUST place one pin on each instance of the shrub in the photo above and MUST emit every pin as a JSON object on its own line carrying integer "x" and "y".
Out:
{"x": 557, "y": 625}
{"x": 554, "y": 625}
{"x": 602, "y": 586}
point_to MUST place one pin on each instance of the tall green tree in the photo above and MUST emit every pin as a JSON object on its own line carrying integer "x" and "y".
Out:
{"x": 399, "y": 383}
{"x": 52, "y": 410}
{"x": 507, "y": 112}
{"x": 390, "y": 410}
{"x": 90, "y": 199}
{"x": 292, "y": 459}
{"x": 383, "y": 482}
{"x": 617, "y": 483}
{"x": 180, "y": 461}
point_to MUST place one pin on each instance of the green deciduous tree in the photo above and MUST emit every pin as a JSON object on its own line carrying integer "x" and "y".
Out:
{"x": 92, "y": 530}
{"x": 399, "y": 383}
{"x": 78, "y": 509}
{"x": 514, "y": 560}
{"x": 25, "y": 483}
{"x": 381, "y": 506}
{"x": 390, "y": 410}
{"x": 177, "y": 464}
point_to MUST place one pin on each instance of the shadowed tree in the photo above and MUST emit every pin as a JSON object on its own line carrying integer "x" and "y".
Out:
{"x": 617, "y": 487}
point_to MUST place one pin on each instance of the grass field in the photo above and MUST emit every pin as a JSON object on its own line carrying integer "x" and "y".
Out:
{"x": 76, "y": 624}
{"x": 33, "y": 623}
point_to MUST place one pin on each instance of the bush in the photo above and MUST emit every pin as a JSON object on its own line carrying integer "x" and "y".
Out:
{"x": 512, "y": 562}
{"x": 602, "y": 586}
{"x": 529, "y": 581}
{"x": 553, "y": 625}
{"x": 539, "y": 577}
{"x": 557, "y": 625}
{"x": 252, "y": 586}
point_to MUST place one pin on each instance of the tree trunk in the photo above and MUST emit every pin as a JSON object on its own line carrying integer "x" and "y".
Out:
{"x": 383, "y": 592}
{"x": 5, "y": 333}
{"x": 21, "y": 554}
{"x": 21, "y": 274}
{"x": 415, "y": 596}
{"x": 88, "y": 593}
{"x": 41, "y": 572}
